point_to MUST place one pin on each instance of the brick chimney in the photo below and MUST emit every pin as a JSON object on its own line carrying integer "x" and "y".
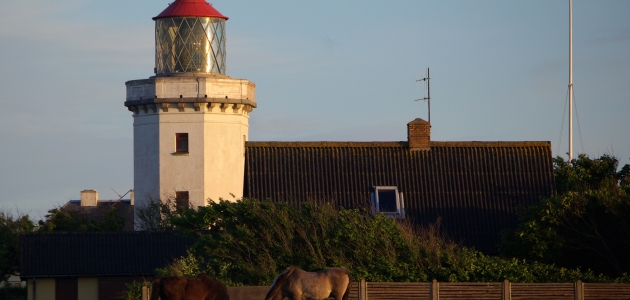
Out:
{"x": 89, "y": 197}
{"x": 419, "y": 134}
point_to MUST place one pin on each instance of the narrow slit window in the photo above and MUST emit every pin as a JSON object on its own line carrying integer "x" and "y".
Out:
{"x": 181, "y": 142}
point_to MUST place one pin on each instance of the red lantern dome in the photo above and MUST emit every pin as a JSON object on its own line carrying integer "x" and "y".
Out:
{"x": 189, "y": 38}
{"x": 190, "y": 8}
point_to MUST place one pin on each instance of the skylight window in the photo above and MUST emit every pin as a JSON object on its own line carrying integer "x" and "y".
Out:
{"x": 388, "y": 201}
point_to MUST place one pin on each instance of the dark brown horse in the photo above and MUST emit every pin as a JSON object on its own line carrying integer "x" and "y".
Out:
{"x": 203, "y": 287}
{"x": 297, "y": 284}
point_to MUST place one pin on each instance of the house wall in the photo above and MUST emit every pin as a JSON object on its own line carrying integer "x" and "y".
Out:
{"x": 114, "y": 287}
{"x": 88, "y": 288}
{"x": 45, "y": 289}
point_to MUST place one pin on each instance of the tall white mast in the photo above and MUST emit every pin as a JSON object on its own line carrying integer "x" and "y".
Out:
{"x": 570, "y": 80}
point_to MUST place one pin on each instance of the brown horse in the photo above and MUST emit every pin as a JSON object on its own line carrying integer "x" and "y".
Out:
{"x": 297, "y": 284}
{"x": 203, "y": 287}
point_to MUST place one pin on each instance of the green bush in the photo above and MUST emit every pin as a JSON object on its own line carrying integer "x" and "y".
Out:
{"x": 133, "y": 291}
{"x": 249, "y": 242}
{"x": 586, "y": 224}
{"x": 13, "y": 293}
{"x": 59, "y": 219}
{"x": 11, "y": 227}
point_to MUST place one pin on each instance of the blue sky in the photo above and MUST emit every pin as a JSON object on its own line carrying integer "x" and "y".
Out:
{"x": 324, "y": 70}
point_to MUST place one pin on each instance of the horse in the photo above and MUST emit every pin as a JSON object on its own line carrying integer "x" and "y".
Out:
{"x": 296, "y": 284}
{"x": 203, "y": 287}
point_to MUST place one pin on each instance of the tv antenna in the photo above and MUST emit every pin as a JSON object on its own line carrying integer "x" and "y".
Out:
{"x": 428, "y": 97}
{"x": 119, "y": 196}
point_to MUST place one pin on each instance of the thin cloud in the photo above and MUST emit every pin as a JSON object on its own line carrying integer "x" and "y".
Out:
{"x": 622, "y": 36}
{"x": 44, "y": 24}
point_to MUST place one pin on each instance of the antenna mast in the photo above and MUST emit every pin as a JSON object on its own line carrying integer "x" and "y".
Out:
{"x": 570, "y": 80}
{"x": 428, "y": 97}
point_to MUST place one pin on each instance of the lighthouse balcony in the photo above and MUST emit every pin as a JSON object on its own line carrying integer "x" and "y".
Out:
{"x": 190, "y": 89}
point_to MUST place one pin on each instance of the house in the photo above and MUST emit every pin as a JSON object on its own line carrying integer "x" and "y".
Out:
{"x": 474, "y": 188}
{"x": 13, "y": 282}
{"x": 92, "y": 208}
{"x": 94, "y": 265}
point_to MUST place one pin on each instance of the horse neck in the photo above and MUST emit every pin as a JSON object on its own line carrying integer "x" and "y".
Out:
{"x": 274, "y": 292}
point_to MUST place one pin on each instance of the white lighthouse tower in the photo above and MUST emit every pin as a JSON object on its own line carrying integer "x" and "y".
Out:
{"x": 190, "y": 119}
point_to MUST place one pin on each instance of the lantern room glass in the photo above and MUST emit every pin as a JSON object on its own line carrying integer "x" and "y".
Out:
{"x": 190, "y": 45}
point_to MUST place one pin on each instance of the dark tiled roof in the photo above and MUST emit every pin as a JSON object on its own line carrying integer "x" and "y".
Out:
{"x": 123, "y": 209}
{"x": 475, "y": 188}
{"x": 99, "y": 253}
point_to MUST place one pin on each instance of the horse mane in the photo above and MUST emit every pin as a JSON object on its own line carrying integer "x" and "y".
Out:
{"x": 279, "y": 281}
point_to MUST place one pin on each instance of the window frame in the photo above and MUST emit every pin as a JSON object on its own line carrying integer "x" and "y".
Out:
{"x": 400, "y": 203}
{"x": 179, "y": 136}
{"x": 182, "y": 199}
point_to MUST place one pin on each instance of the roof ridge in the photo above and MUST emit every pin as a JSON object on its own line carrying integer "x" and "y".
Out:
{"x": 399, "y": 144}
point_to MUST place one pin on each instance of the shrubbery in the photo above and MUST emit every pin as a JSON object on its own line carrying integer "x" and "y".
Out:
{"x": 11, "y": 227}
{"x": 249, "y": 242}
{"x": 133, "y": 291}
{"x": 586, "y": 224}
{"x": 59, "y": 219}
{"x": 13, "y": 293}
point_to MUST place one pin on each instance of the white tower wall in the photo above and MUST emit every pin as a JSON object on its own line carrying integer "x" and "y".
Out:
{"x": 214, "y": 112}
{"x": 146, "y": 154}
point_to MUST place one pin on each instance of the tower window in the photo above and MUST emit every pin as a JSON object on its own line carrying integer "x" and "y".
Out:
{"x": 181, "y": 142}
{"x": 388, "y": 201}
{"x": 181, "y": 199}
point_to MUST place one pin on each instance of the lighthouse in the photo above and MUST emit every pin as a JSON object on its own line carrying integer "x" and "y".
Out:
{"x": 190, "y": 120}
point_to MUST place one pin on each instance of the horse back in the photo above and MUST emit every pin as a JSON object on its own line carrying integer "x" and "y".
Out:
{"x": 340, "y": 281}
{"x": 216, "y": 289}
{"x": 322, "y": 284}
{"x": 170, "y": 288}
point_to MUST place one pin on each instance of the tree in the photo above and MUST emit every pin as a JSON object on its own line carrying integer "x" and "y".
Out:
{"x": 157, "y": 214}
{"x": 11, "y": 227}
{"x": 59, "y": 219}
{"x": 585, "y": 224}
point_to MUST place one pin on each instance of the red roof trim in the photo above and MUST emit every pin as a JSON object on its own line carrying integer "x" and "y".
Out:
{"x": 190, "y": 8}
